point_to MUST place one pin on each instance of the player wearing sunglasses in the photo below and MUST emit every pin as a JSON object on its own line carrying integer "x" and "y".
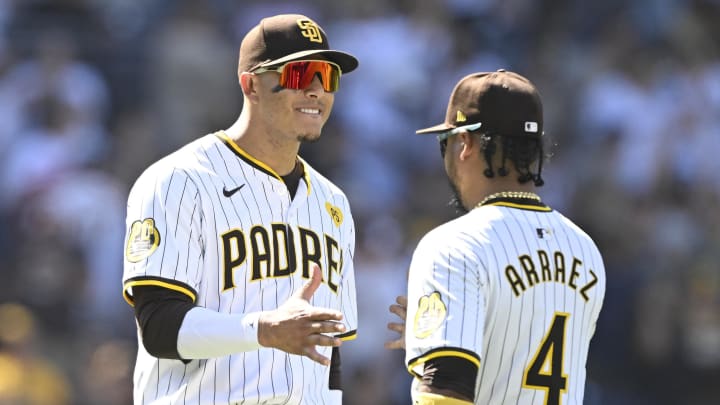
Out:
{"x": 298, "y": 98}
{"x": 238, "y": 256}
{"x": 298, "y": 75}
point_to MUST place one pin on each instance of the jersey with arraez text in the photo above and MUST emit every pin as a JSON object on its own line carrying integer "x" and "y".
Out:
{"x": 214, "y": 223}
{"x": 515, "y": 289}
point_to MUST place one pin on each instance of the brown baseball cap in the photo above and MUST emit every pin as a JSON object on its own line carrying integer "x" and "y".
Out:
{"x": 287, "y": 37}
{"x": 503, "y": 102}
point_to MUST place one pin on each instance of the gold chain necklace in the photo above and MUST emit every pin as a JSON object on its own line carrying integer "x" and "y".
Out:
{"x": 510, "y": 194}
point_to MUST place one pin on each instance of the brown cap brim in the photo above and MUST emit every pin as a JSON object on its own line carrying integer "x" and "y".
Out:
{"x": 347, "y": 62}
{"x": 435, "y": 129}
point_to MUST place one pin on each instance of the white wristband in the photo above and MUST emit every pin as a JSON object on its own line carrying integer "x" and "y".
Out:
{"x": 205, "y": 333}
{"x": 335, "y": 397}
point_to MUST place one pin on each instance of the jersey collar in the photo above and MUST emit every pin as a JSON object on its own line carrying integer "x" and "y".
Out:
{"x": 520, "y": 203}
{"x": 249, "y": 159}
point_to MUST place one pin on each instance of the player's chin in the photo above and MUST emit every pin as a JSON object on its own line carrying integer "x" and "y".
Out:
{"x": 309, "y": 137}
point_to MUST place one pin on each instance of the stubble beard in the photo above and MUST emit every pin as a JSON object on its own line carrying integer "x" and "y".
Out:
{"x": 456, "y": 199}
{"x": 308, "y": 138}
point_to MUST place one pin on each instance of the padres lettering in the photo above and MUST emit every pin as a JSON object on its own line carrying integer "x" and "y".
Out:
{"x": 544, "y": 270}
{"x": 272, "y": 253}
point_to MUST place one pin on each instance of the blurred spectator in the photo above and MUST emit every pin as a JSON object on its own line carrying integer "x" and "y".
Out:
{"x": 27, "y": 377}
{"x": 190, "y": 61}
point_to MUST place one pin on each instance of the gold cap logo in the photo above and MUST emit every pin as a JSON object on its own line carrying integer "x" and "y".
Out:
{"x": 310, "y": 30}
{"x": 460, "y": 117}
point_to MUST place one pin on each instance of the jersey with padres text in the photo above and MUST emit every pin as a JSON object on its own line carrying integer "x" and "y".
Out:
{"x": 214, "y": 223}
{"x": 514, "y": 288}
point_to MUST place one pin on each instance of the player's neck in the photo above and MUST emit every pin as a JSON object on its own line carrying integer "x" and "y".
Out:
{"x": 280, "y": 156}
{"x": 506, "y": 186}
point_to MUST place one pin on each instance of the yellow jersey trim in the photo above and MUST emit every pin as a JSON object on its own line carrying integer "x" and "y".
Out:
{"x": 348, "y": 336}
{"x": 428, "y": 398}
{"x": 156, "y": 283}
{"x": 521, "y": 206}
{"x": 246, "y": 155}
{"x": 442, "y": 353}
{"x": 306, "y": 175}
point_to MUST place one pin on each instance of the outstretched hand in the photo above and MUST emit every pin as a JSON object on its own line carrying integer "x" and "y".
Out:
{"x": 399, "y": 309}
{"x": 297, "y": 327}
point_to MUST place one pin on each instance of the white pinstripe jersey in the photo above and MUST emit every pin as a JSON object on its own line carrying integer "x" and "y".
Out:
{"x": 216, "y": 224}
{"x": 517, "y": 290}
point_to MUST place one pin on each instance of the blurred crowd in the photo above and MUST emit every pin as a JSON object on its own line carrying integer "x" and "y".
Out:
{"x": 93, "y": 91}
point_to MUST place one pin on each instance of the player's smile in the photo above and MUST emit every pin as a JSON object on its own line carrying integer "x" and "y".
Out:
{"x": 314, "y": 107}
{"x": 310, "y": 111}
{"x": 310, "y": 116}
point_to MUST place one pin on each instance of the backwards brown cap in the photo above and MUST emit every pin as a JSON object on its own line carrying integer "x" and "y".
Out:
{"x": 505, "y": 103}
{"x": 287, "y": 37}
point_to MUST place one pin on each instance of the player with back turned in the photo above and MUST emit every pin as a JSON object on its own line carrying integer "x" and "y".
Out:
{"x": 502, "y": 302}
{"x": 239, "y": 255}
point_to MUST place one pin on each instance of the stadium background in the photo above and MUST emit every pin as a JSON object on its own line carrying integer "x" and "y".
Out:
{"x": 92, "y": 91}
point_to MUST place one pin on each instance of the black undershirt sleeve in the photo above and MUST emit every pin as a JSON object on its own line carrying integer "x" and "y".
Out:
{"x": 335, "y": 382}
{"x": 451, "y": 373}
{"x": 160, "y": 312}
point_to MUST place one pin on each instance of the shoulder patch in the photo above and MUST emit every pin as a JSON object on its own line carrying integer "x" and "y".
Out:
{"x": 143, "y": 240}
{"x": 335, "y": 213}
{"x": 431, "y": 313}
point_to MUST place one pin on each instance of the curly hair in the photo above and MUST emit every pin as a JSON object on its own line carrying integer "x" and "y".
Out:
{"x": 522, "y": 151}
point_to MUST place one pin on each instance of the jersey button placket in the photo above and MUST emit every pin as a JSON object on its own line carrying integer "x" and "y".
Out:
{"x": 292, "y": 209}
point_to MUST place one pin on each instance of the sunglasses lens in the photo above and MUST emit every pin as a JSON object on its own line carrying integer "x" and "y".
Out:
{"x": 443, "y": 147}
{"x": 299, "y": 75}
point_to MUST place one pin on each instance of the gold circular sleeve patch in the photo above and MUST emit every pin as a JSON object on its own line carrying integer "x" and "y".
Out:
{"x": 143, "y": 240}
{"x": 430, "y": 315}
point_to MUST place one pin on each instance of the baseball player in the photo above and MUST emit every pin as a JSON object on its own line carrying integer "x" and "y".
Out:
{"x": 239, "y": 255}
{"x": 502, "y": 302}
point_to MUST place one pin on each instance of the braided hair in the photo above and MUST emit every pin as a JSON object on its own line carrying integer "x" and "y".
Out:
{"x": 522, "y": 151}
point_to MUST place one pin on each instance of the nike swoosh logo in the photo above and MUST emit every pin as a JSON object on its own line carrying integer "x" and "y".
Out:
{"x": 229, "y": 193}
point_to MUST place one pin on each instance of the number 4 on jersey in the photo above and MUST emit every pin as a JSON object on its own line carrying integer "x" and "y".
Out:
{"x": 545, "y": 371}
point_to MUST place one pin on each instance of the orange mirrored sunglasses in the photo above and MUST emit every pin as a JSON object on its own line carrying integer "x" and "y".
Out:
{"x": 297, "y": 75}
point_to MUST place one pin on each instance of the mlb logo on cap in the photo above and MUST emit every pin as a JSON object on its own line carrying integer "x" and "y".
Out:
{"x": 531, "y": 126}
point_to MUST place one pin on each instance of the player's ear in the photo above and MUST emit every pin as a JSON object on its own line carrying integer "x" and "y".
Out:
{"x": 248, "y": 84}
{"x": 468, "y": 143}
